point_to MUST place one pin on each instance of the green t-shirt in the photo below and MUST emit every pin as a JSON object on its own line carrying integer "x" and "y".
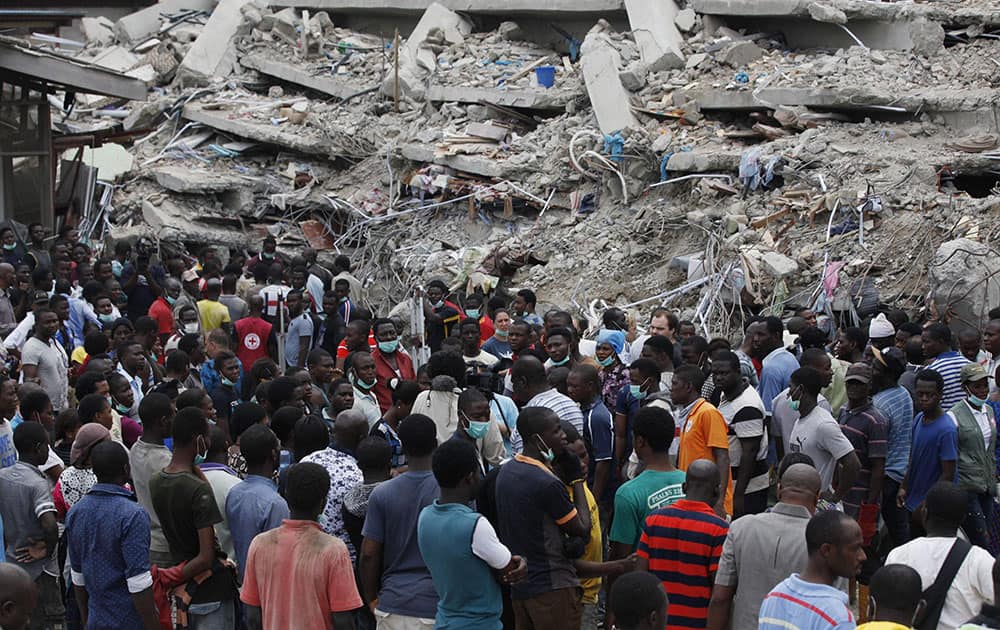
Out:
{"x": 637, "y": 498}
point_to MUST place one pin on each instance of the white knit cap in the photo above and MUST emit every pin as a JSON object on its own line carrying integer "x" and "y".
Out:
{"x": 880, "y": 328}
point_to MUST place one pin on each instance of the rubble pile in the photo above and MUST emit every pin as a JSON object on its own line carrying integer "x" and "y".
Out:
{"x": 694, "y": 158}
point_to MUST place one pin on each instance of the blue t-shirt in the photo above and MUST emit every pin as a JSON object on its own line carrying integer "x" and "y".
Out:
{"x": 932, "y": 444}
{"x": 796, "y": 603}
{"x": 499, "y": 349}
{"x": 393, "y": 511}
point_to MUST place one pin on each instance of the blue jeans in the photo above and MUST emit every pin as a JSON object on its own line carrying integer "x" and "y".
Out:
{"x": 897, "y": 519}
{"x": 212, "y": 616}
{"x": 977, "y": 517}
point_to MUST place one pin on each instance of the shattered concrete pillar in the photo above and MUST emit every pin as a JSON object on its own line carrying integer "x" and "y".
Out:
{"x": 600, "y": 60}
{"x": 417, "y": 57}
{"x": 965, "y": 283}
{"x": 213, "y": 54}
{"x": 656, "y": 34}
{"x": 141, "y": 24}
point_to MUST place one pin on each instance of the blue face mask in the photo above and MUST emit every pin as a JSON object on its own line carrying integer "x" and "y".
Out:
{"x": 170, "y": 300}
{"x": 793, "y": 404}
{"x": 199, "y": 458}
{"x": 225, "y": 381}
{"x": 546, "y": 452}
{"x": 476, "y": 430}
{"x": 10, "y": 246}
{"x": 977, "y": 401}
{"x": 388, "y": 347}
{"x": 122, "y": 409}
{"x": 608, "y": 361}
{"x": 636, "y": 392}
{"x": 472, "y": 312}
{"x": 343, "y": 300}
{"x": 562, "y": 361}
{"x": 438, "y": 304}
{"x": 361, "y": 384}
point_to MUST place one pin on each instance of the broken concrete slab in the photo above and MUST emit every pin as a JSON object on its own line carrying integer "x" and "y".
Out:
{"x": 656, "y": 35}
{"x": 115, "y": 58}
{"x": 779, "y": 265}
{"x": 485, "y": 167}
{"x": 145, "y": 22}
{"x": 552, "y": 98}
{"x": 182, "y": 179}
{"x": 295, "y": 74}
{"x": 686, "y": 19}
{"x": 740, "y": 54}
{"x": 827, "y": 13}
{"x": 213, "y": 55}
{"x": 171, "y": 221}
{"x": 600, "y": 61}
{"x": 417, "y": 60}
{"x": 97, "y": 30}
{"x": 266, "y": 133}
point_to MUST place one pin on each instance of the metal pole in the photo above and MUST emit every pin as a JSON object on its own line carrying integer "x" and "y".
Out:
{"x": 395, "y": 85}
{"x": 281, "y": 333}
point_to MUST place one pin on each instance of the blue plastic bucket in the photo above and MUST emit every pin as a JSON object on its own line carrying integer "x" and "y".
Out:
{"x": 546, "y": 76}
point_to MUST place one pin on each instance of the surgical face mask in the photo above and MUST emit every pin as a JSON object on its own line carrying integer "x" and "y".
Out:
{"x": 608, "y": 361}
{"x": 476, "y": 430}
{"x": 360, "y": 383}
{"x": 10, "y": 246}
{"x": 977, "y": 401}
{"x": 199, "y": 457}
{"x": 191, "y": 328}
{"x": 636, "y": 392}
{"x": 106, "y": 319}
{"x": 225, "y": 381}
{"x": 170, "y": 300}
{"x": 343, "y": 300}
{"x": 122, "y": 409}
{"x": 438, "y": 304}
{"x": 547, "y": 453}
{"x": 500, "y": 334}
{"x": 472, "y": 312}
{"x": 267, "y": 255}
{"x": 793, "y": 404}
{"x": 388, "y": 347}
{"x": 562, "y": 361}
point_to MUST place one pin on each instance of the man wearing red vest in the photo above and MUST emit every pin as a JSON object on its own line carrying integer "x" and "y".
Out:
{"x": 253, "y": 335}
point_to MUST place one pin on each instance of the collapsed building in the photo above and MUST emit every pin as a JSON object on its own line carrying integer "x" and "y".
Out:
{"x": 718, "y": 155}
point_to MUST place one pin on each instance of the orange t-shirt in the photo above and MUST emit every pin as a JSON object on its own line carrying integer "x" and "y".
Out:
{"x": 298, "y": 575}
{"x": 704, "y": 430}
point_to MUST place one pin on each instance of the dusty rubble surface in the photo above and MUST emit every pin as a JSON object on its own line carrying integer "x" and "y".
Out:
{"x": 309, "y": 138}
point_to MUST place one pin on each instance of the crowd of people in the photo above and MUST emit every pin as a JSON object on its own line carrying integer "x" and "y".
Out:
{"x": 237, "y": 441}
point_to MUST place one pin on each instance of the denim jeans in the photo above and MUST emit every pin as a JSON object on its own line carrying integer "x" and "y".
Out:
{"x": 897, "y": 519}
{"x": 212, "y": 616}
{"x": 977, "y": 517}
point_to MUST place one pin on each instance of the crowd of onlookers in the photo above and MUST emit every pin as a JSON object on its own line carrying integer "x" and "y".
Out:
{"x": 232, "y": 441}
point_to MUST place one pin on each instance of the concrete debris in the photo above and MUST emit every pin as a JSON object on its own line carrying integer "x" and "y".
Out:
{"x": 608, "y": 97}
{"x": 213, "y": 54}
{"x": 304, "y": 132}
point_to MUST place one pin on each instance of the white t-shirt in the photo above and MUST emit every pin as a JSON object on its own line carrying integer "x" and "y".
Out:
{"x": 745, "y": 419}
{"x": 820, "y": 437}
{"x": 973, "y": 584}
{"x": 52, "y": 363}
{"x": 487, "y": 547}
{"x": 483, "y": 357}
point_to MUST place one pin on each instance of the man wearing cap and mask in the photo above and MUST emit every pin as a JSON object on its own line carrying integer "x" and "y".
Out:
{"x": 16, "y": 340}
{"x": 977, "y": 436}
{"x": 881, "y": 332}
{"x": 896, "y": 406}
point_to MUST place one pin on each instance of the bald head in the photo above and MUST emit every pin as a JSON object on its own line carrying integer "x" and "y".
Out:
{"x": 702, "y": 481}
{"x": 256, "y": 304}
{"x": 349, "y": 429}
{"x": 18, "y": 595}
{"x": 800, "y": 485}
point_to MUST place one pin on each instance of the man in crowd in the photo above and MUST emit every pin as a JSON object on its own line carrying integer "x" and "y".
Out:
{"x": 809, "y": 599}
{"x": 638, "y": 602}
{"x": 532, "y": 389}
{"x": 681, "y": 545}
{"x": 956, "y": 577}
{"x": 777, "y": 363}
{"x": 762, "y": 550}
{"x": 107, "y": 536}
{"x": 895, "y": 599}
{"x": 296, "y": 575}
{"x": 534, "y": 511}
{"x": 150, "y": 455}
{"x": 977, "y": 438}
{"x": 896, "y": 406}
{"x": 44, "y": 360}
{"x": 395, "y": 580}
{"x": 524, "y": 307}
{"x": 463, "y": 574}
{"x": 743, "y": 411}
{"x": 28, "y": 515}
{"x": 18, "y": 596}
{"x": 936, "y": 341}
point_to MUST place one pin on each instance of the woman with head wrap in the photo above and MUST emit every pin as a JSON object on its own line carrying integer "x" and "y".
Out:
{"x": 614, "y": 374}
{"x": 78, "y": 478}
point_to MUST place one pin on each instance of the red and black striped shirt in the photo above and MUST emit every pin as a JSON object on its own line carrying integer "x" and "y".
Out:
{"x": 682, "y": 544}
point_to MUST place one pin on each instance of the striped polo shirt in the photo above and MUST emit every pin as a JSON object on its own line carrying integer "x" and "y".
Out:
{"x": 799, "y": 605}
{"x": 948, "y": 365}
{"x": 682, "y": 544}
{"x": 866, "y": 428}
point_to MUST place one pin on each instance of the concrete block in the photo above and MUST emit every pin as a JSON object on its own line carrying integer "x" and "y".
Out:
{"x": 965, "y": 278}
{"x": 827, "y": 13}
{"x": 779, "y": 265}
{"x": 510, "y": 31}
{"x": 99, "y": 30}
{"x": 740, "y": 54}
{"x": 298, "y": 75}
{"x": 141, "y": 24}
{"x": 659, "y": 41}
{"x": 115, "y": 58}
{"x": 289, "y": 138}
{"x": 927, "y": 37}
{"x": 686, "y": 19}
{"x": 633, "y": 78}
{"x": 213, "y": 54}
{"x": 416, "y": 60}
{"x": 600, "y": 60}
{"x": 484, "y": 130}
{"x": 185, "y": 180}
{"x": 695, "y": 60}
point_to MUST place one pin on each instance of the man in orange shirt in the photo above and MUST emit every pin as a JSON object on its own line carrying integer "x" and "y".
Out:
{"x": 703, "y": 430}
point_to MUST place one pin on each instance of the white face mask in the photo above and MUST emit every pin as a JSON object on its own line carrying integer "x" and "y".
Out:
{"x": 191, "y": 328}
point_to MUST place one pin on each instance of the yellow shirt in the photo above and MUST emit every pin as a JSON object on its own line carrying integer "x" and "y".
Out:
{"x": 594, "y": 551}
{"x": 213, "y": 315}
{"x": 882, "y": 625}
{"x": 79, "y": 355}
